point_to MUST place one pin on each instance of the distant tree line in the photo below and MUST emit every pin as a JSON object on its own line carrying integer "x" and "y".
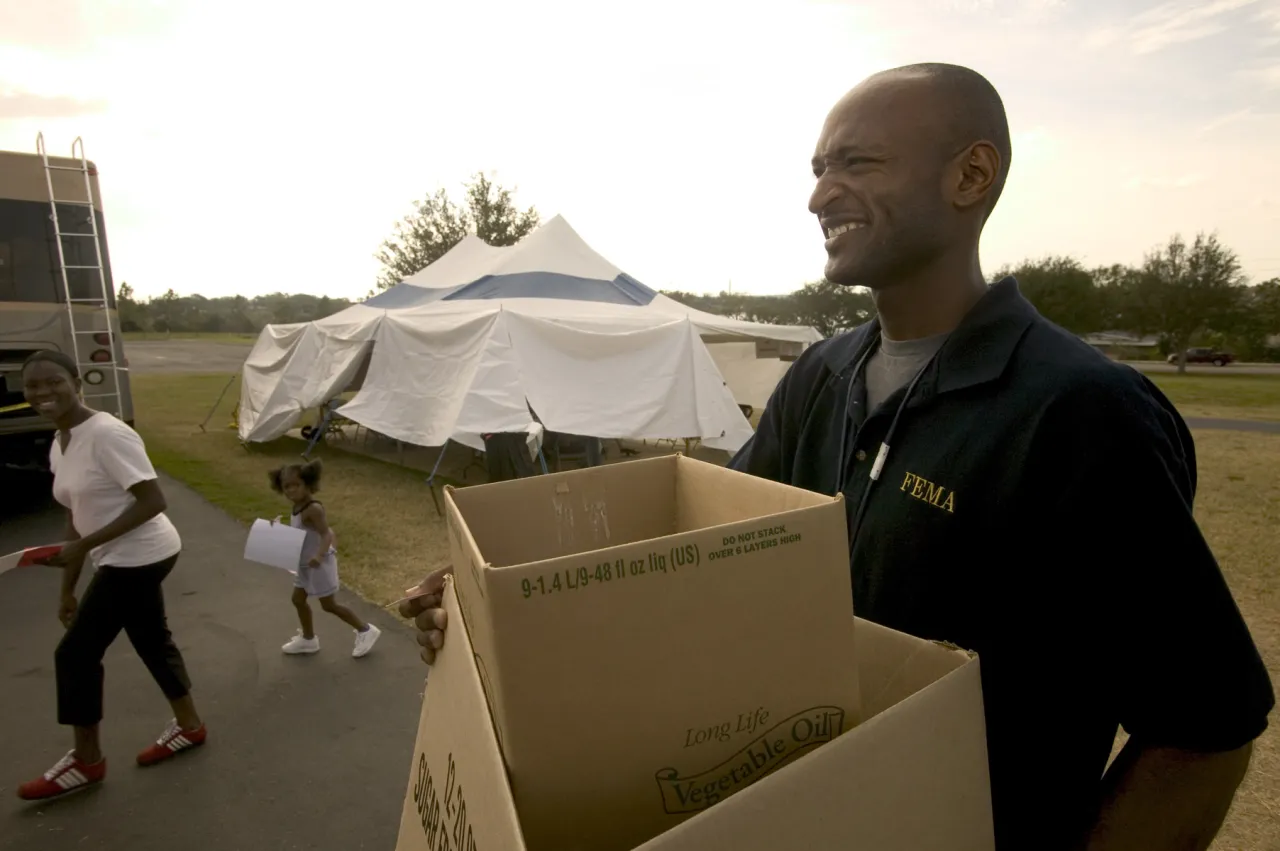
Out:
{"x": 1182, "y": 295}
{"x": 183, "y": 314}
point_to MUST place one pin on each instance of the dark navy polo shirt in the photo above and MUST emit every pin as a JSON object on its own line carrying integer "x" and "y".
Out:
{"x": 1035, "y": 507}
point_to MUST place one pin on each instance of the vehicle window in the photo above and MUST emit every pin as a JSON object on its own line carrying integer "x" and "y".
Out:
{"x": 29, "y": 254}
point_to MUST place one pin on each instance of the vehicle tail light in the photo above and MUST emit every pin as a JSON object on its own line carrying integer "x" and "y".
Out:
{"x": 102, "y": 338}
{"x": 101, "y": 356}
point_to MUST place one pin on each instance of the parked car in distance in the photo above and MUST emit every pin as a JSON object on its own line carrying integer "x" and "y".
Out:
{"x": 1204, "y": 355}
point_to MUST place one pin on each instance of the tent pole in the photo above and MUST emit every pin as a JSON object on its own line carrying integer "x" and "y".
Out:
{"x": 214, "y": 409}
{"x": 431, "y": 479}
{"x": 320, "y": 430}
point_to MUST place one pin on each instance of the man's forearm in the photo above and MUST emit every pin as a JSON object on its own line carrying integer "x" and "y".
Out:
{"x": 1161, "y": 799}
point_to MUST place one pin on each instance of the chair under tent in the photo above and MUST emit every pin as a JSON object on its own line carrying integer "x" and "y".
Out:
{"x": 507, "y": 455}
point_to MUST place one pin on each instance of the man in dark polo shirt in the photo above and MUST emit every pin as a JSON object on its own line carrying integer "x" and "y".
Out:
{"x": 1009, "y": 490}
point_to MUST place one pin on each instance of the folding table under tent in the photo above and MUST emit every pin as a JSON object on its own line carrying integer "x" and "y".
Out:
{"x": 468, "y": 345}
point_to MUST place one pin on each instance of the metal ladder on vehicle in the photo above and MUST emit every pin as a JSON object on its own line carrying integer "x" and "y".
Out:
{"x": 98, "y": 339}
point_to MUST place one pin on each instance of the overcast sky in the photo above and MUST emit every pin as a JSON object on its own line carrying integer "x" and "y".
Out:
{"x": 249, "y": 146}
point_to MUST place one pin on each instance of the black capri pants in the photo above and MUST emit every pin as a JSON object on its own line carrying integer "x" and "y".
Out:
{"x": 128, "y": 598}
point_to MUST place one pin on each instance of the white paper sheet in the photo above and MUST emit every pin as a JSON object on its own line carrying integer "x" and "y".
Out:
{"x": 275, "y": 545}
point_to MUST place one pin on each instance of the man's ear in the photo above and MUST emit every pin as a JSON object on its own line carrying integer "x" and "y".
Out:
{"x": 975, "y": 171}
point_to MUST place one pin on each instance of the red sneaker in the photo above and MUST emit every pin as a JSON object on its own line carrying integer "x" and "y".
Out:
{"x": 172, "y": 742}
{"x": 69, "y": 775}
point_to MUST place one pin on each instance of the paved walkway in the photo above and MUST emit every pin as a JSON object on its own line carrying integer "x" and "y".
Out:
{"x": 304, "y": 753}
{"x": 171, "y": 356}
{"x": 1265, "y": 427}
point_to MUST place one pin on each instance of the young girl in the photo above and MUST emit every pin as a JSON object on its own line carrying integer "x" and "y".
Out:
{"x": 318, "y": 570}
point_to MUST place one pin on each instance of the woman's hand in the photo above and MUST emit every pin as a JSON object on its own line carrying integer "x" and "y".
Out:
{"x": 72, "y": 554}
{"x": 315, "y": 562}
{"x": 67, "y": 608}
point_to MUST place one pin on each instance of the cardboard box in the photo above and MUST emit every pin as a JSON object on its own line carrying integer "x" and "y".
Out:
{"x": 653, "y": 637}
{"x": 913, "y": 777}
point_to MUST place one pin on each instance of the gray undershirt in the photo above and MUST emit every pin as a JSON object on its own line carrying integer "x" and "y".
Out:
{"x": 895, "y": 363}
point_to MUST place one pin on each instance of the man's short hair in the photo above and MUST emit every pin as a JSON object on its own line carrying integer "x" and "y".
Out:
{"x": 974, "y": 112}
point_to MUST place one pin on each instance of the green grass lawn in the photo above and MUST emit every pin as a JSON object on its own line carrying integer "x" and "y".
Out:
{"x": 1242, "y": 397}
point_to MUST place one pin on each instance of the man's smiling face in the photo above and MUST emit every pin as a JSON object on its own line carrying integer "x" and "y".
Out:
{"x": 879, "y": 198}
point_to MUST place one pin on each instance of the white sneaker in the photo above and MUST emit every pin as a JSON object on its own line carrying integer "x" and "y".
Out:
{"x": 298, "y": 645}
{"x": 365, "y": 640}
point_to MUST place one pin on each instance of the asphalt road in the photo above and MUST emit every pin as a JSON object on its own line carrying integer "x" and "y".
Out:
{"x": 1258, "y": 426}
{"x": 303, "y": 753}
{"x": 170, "y": 356}
{"x": 1210, "y": 369}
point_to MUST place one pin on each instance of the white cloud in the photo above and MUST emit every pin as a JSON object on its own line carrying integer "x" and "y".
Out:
{"x": 1177, "y": 22}
{"x": 1181, "y": 22}
{"x": 1225, "y": 120}
{"x": 67, "y": 27}
{"x": 16, "y": 104}
{"x": 1267, "y": 76}
{"x": 1103, "y": 38}
{"x": 1179, "y": 181}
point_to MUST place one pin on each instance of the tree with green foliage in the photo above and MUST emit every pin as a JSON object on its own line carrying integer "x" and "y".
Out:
{"x": 1063, "y": 291}
{"x": 1184, "y": 290}
{"x": 132, "y": 316}
{"x": 166, "y": 311}
{"x": 830, "y": 308}
{"x": 1264, "y": 301}
{"x": 437, "y": 224}
{"x": 1254, "y": 325}
{"x": 1113, "y": 290}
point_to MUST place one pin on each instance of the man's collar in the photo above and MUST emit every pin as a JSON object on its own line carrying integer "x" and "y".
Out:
{"x": 976, "y": 352}
{"x": 979, "y": 350}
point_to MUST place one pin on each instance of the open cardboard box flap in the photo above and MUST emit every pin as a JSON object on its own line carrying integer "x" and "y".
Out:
{"x": 913, "y": 777}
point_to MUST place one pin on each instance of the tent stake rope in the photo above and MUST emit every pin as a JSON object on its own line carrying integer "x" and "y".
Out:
{"x": 214, "y": 409}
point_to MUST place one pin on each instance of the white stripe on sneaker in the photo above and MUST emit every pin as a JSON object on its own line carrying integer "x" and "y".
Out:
{"x": 183, "y": 741}
{"x": 70, "y": 779}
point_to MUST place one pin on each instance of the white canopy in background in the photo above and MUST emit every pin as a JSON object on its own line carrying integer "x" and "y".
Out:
{"x": 467, "y": 345}
{"x": 752, "y": 379}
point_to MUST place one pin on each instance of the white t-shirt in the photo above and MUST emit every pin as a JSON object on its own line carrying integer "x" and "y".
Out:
{"x": 104, "y": 458}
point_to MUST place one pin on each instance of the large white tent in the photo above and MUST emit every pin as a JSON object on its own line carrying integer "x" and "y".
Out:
{"x": 469, "y": 344}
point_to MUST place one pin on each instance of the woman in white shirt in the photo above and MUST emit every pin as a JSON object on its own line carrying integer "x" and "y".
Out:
{"x": 115, "y": 518}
